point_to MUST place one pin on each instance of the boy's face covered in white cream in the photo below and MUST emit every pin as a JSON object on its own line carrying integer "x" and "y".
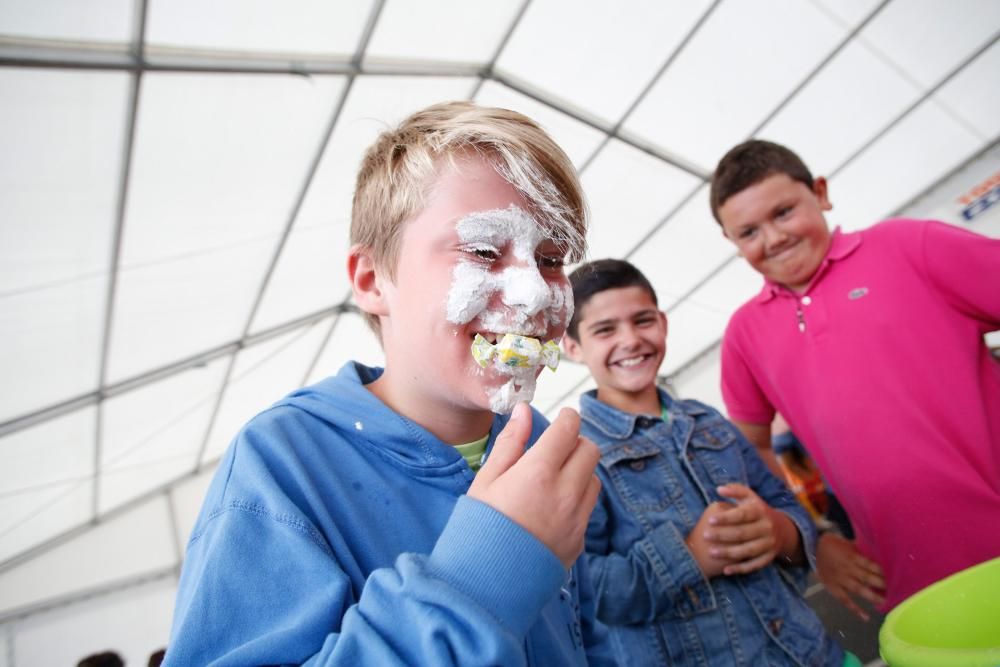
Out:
{"x": 473, "y": 261}
{"x": 509, "y": 283}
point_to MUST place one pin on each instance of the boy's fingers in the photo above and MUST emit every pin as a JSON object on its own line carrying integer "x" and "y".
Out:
{"x": 582, "y": 460}
{"x": 747, "y": 566}
{"x": 734, "y": 491}
{"x": 558, "y": 441}
{"x": 509, "y": 445}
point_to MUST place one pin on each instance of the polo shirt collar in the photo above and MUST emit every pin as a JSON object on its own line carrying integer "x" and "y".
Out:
{"x": 841, "y": 245}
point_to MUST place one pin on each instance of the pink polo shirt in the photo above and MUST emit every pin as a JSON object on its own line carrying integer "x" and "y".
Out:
{"x": 881, "y": 370}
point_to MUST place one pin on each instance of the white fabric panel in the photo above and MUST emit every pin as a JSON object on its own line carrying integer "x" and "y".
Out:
{"x": 903, "y": 163}
{"x": 253, "y": 26}
{"x": 60, "y": 148}
{"x": 50, "y": 344}
{"x": 312, "y": 271}
{"x": 849, "y": 12}
{"x": 551, "y": 387}
{"x": 152, "y": 434}
{"x": 685, "y": 250}
{"x": 137, "y": 542}
{"x": 974, "y": 96}
{"x": 352, "y": 340}
{"x": 732, "y": 74}
{"x": 5, "y": 646}
{"x": 576, "y": 139}
{"x": 218, "y": 163}
{"x": 702, "y": 381}
{"x": 440, "y": 30}
{"x": 46, "y": 481}
{"x": 134, "y": 623}
{"x": 694, "y": 326}
{"x": 187, "y": 497}
{"x": 262, "y": 375}
{"x": 105, "y": 21}
{"x": 629, "y": 192}
{"x": 927, "y": 39}
{"x": 570, "y": 401}
{"x": 699, "y": 321}
{"x": 854, "y": 97}
{"x": 614, "y": 49}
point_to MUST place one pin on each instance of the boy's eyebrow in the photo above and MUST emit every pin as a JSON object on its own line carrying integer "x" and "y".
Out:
{"x": 611, "y": 320}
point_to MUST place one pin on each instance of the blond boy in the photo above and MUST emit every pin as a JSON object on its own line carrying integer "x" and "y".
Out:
{"x": 347, "y": 524}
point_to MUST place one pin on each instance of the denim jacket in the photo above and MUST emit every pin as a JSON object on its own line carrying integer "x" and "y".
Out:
{"x": 660, "y": 609}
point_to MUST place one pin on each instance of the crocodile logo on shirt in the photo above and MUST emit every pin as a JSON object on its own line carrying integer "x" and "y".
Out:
{"x": 857, "y": 293}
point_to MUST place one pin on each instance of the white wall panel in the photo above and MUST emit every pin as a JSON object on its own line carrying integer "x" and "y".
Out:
{"x": 152, "y": 435}
{"x": 352, "y": 340}
{"x": 105, "y": 21}
{"x": 732, "y": 74}
{"x": 855, "y": 96}
{"x": 135, "y": 543}
{"x": 133, "y": 623}
{"x": 46, "y": 481}
{"x": 906, "y": 161}
{"x": 630, "y": 192}
{"x": 312, "y": 271}
{"x": 253, "y": 26}
{"x": 219, "y": 162}
{"x": 974, "y": 96}
{"x": 575, "y": 138}
{"x": 685, "y": 250}
{"x": 927, "y": 39}
{"x": 440, "y": 30}
{"x": 610, "y": 52}
{"x": 262, "y": 375}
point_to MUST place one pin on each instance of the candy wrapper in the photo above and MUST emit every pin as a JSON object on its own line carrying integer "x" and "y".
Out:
{"x": 516, "y": 351}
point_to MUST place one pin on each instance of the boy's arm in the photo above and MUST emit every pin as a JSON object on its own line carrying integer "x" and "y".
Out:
{"x": 596, "y": 641}
{"x": 774, "y": 492}
{"x": 282, "y": 598}
{"x": 656, "y": 578}
{"x": 957, "y": 262}
{"x": 759, "y": 435}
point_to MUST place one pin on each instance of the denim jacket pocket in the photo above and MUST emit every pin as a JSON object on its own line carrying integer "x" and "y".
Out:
{"x": 714, "y": 445}
{"x": 641, "y": 476}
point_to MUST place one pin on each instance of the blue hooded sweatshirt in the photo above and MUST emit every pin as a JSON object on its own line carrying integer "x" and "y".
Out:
{"x": 337, "y": 532}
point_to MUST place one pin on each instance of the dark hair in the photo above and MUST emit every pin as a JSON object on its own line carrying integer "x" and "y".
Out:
{"x": 103, "y": 659}
{"x": 156, "y": 658}
{"x": 750, "y": 163}
{"x": 600, "y": 275}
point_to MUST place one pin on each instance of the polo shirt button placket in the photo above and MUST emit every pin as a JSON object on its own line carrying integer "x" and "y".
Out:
{"x": 804, "y": 301}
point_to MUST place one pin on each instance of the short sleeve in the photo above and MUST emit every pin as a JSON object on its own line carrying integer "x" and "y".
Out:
{"x": 965, "y": 267}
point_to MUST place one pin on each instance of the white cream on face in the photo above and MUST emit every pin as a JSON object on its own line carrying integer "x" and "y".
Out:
{"x": 523, "y": 291}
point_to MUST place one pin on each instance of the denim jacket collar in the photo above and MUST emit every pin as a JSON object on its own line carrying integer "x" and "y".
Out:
{"x": 619, "y": 425}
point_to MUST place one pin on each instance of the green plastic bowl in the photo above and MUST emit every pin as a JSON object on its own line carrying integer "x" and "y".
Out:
{"x": 954, "y": 622}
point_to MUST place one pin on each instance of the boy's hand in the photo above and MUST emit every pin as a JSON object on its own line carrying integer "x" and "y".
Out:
{"x": 845, "y": 572}
{"x": 750, "y": 533}
{"x": 701, "y": 547}
{"x": 551, "y": 489}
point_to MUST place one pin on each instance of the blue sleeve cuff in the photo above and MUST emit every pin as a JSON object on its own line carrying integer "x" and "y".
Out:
{"x": 497, "y": 563}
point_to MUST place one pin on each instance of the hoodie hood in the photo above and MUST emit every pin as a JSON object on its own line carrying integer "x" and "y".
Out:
{"x": 344, "y": 403}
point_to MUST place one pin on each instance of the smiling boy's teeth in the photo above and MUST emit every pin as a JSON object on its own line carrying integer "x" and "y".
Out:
{"x": 630, "y": 362}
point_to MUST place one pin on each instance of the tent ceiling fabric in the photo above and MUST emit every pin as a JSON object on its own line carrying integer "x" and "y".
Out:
{"x": 175, "y": 197}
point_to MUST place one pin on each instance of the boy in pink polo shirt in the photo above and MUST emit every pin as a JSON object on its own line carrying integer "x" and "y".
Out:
{"x": 871, "y": 345}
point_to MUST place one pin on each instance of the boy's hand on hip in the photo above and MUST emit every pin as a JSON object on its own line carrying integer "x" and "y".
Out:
{"x": 551, "y": 489}
{"x": 846, "y": 573}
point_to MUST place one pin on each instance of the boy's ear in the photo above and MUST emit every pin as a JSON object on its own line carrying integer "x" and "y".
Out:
{"x": 366, "y": 281}
{"x": 822, "y": 193}
{"x": 572, "y": 348}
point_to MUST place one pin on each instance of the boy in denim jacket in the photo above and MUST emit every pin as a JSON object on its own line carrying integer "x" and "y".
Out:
{"x": 696, "y": 551}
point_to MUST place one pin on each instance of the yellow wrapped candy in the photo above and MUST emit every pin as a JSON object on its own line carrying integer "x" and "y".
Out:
{"x": 516, "y": 351}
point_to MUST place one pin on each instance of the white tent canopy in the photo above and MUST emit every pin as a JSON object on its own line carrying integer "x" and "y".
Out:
{"x": 175, "y": 184}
